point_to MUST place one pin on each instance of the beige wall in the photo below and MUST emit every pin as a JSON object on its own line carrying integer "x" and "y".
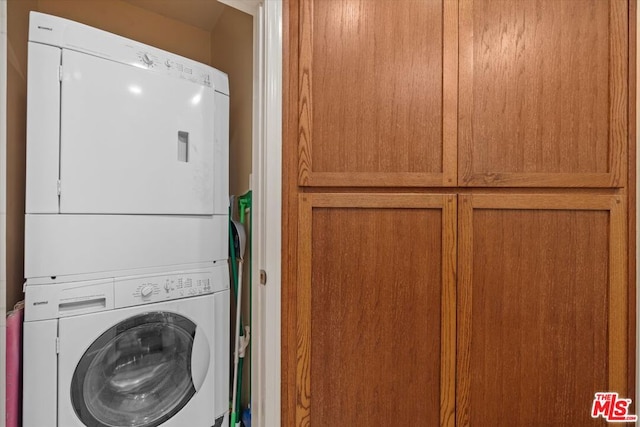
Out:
{"x": 111, "y": 15}
{"x": 3, "y": 198}
{"x": 232, "y": 52}
{"x": 17, "y": 33}
{"x": 135, "y": 23}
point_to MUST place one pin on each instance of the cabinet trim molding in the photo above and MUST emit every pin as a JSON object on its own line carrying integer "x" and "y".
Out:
{"x": 447, "y": 177}
{"x": 617, "y": 292}
{"x": 615, "y": 175}
{"x": 447, "y": 203}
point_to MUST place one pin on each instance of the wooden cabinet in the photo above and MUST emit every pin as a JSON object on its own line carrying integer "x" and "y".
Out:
{"x": 543, "y": 93}
{"x": 376, "y": 310}
{"x": 542, "y": 308}
{"x": 533, "y": 92}
{"x": 375, "y": 106}
{"x": 532, "y": 297}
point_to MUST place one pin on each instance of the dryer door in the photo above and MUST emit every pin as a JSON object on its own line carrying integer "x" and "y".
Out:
{"x": 138, "y": 373}
{"x": 134, "y": 140}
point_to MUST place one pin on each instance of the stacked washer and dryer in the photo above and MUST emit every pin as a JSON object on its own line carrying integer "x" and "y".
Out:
{"x": 126, "y": 234}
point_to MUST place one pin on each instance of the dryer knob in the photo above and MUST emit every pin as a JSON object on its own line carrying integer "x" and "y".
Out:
{"x": 146, "y": 58}
{"x": 146, "y": 291}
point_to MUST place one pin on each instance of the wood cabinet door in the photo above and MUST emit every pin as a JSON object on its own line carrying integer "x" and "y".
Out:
{"x": 376, "y": 86}
{"x": 376, "y": 310}
{"x": 543, "y": 93}
{"x": 542, "y": 308}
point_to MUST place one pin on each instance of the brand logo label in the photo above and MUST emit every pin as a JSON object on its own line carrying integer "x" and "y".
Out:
{"x": 40, "y": 302}
{"x": 612, "y": 408}
{"x": 45, "y": 28}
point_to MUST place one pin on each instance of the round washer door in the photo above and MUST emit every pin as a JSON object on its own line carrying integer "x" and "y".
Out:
{"x": 138, "y": 373}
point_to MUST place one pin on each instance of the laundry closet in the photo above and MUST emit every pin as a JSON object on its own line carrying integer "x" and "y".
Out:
{"x": 204, "y": 31}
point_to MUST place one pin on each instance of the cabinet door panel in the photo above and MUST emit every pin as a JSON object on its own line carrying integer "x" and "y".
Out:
{"x": 374, "y": 104}
{"x": 542, "y": 308}
{"x": 376, "y": 310}
{"x": 543, "y": 93}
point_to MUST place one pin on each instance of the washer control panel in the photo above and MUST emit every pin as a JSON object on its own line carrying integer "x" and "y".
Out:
{"x": 132, "y": 291}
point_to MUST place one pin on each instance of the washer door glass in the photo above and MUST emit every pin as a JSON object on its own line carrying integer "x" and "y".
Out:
{"x": 137, "y": 374}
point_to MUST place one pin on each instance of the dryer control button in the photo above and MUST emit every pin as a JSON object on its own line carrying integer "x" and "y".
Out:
{"x": 146, "y": 291}
{"x": 146, "y": 58}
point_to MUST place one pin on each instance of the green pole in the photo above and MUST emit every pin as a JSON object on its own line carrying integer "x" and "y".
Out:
{"x": 244, "y": 204}
{"x": 234, "y": 273}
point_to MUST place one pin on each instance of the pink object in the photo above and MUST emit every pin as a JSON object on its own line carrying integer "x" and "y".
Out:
{"x": 14, "y": 366}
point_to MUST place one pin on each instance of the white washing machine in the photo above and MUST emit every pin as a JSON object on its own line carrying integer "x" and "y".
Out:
{"x": 126, "y": 233}
{"x": 141, "y": 351}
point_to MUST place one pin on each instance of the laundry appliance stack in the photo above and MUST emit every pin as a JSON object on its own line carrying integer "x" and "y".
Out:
{"x": 126, "y": 233}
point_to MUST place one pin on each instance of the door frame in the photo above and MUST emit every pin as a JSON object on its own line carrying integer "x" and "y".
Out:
{"x": 268, "y": 170}
{"x": 266, "y": 187}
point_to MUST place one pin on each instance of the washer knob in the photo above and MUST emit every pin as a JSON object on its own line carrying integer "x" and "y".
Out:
{"x": 146, "y": 291}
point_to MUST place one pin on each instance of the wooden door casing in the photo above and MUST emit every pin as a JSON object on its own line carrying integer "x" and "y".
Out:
{"x": 376, "y": 110}
{"x": 542, "y": 308}
{"x": 376, "y": 310}
{"x": 543, "y": 93}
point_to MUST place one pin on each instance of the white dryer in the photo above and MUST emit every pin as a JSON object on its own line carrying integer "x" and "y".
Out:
{"x": 127, "y": 156}
{"x": 140, "y": 351}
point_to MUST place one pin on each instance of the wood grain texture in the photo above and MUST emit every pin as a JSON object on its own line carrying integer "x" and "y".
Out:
{"x": 618, "y": 294}
{"x": 450, "y": 94}
{"x": 543, "y": 93}
{"x": 289, "y": 213}
{"x": 376, "y": 310}
{"x": 371, "y": 105}
{"x": 631, "y": 191}
{"x": 305, "y": 60}
{"x": 303, "y": 324}
{"x": 558, "y": 171}
{"x": 618, "y": 91}
{"x": 448, "y": 314}
{"x": 464, "y": 322}
{"x": 542, "y": 308}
